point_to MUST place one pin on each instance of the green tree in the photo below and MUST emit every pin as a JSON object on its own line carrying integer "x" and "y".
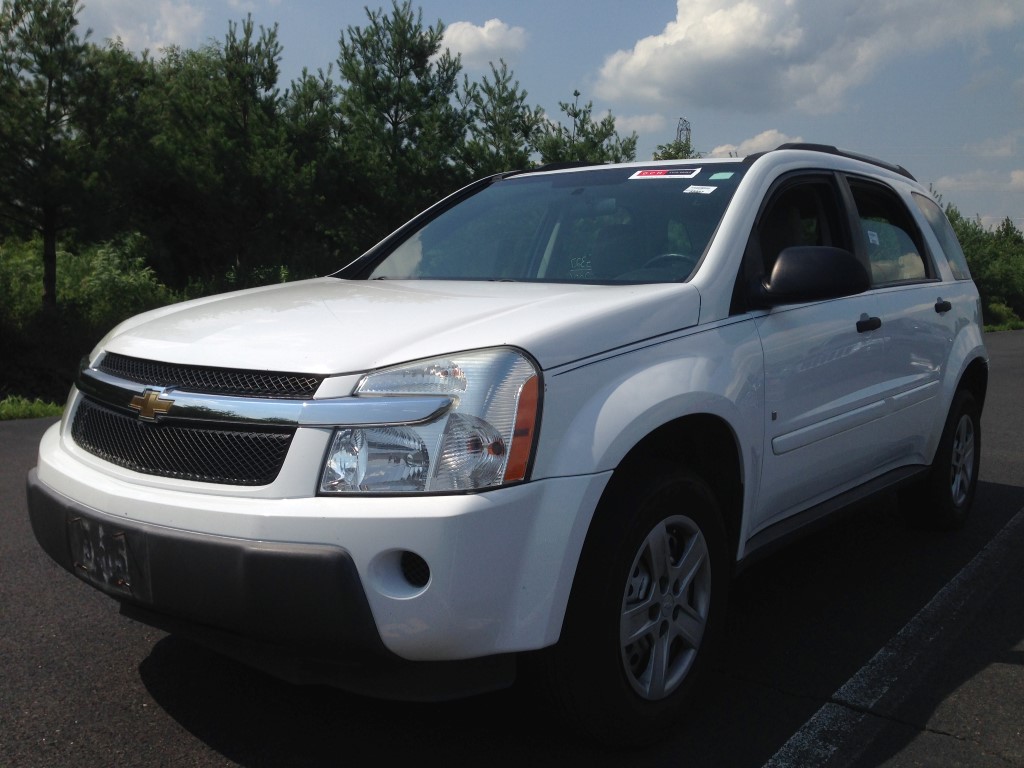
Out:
{"x": 41, "y": 153}
{"x": 312, "y": 119}
{"x": 403, "y": 130}
{"x": 503, "y": 127}
{"x": 251, "y": 70}
{"x": 216, "y": 172}
{"x": 255, "y": 163}
{"x": 180, "y": 182}
{"x": 677, "y": 149}
{"x": 323, "y": 177}
{"x": 115, "y": 120}
{"x": 584, "y": 139}
{"x": 996, "y": 259}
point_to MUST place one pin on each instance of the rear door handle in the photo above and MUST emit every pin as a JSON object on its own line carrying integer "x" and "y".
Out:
{"x": 866, "y": 324}
{"x": 942, "y": 306}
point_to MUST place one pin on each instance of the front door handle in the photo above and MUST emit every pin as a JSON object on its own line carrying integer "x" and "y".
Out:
{"x": 942, "y": 306}
{"x": 866, "y": 323}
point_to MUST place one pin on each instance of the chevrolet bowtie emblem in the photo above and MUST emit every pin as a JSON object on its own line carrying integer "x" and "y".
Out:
{"x": 150, "y": 403}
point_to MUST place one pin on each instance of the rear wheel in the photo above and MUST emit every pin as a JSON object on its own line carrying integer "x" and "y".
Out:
{"x": 944, "y": 497}
{"x": 646, "y": 609}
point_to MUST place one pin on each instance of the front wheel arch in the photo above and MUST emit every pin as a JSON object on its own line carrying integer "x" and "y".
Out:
{"x": 704, "y": 444}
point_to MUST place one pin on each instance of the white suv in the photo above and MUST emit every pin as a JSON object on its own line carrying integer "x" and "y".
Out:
{"x": 555, "y": 411}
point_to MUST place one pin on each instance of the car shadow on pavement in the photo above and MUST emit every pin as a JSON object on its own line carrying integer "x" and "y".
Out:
{"x": 253, "y": 719}
{"x": 800, "y": 624}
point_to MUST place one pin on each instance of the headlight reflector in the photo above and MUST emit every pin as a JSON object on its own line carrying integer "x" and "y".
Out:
{"x": 484, "y": 440}
{"x": 389, "y": 458}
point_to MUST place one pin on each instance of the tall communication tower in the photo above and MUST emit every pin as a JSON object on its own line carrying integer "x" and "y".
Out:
{"x": 683, "y": 130}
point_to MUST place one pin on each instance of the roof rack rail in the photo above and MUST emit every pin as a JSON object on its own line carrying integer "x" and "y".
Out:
{"x": 564, "y": 164}
{"x": 830, "y": 150}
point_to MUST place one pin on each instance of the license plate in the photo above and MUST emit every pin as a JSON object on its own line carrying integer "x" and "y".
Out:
{"x": 100, "y": 555}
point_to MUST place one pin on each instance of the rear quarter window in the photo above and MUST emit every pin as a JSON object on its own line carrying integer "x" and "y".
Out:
{"x": 944, "y": 233}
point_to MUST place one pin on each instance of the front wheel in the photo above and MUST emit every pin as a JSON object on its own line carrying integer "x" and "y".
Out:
{"x": 666, "y": 604}
{"x": 944, "y": 497}
{"x": 646, "y": 608}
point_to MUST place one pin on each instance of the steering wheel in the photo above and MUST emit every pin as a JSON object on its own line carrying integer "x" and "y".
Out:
{"x": 663, "y": 259}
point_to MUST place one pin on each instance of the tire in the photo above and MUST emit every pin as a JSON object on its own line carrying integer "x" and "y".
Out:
{"x": 944, "y": 497}
{"x": 646, "y": 610}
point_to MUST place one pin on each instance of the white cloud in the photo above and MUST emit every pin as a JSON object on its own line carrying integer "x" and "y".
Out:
{"x": 642, "y": 124}
{"x": 481, "y": 45}
{"x": 764, "y": 141}
{"x": 759, "y": 55}
{"x": 999, "y": 147}
{"x": 145, "y": 26}
{"x": 982, "y": 181}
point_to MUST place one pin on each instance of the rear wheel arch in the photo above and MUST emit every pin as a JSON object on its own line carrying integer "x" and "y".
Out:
{"x": 975, "y": 380}
{"x": 942, "y": 498}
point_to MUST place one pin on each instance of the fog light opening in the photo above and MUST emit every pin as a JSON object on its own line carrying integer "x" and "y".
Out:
{"x": 415, "y": 569}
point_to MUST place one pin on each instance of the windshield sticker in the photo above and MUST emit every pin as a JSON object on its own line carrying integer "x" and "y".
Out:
{"x": 666, "y": 173}
{"x": 695, "y": 189}
{"x": 721, "y": 176}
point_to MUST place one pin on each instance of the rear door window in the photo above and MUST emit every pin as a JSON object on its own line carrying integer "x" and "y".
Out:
{"x": 890, "y": 238}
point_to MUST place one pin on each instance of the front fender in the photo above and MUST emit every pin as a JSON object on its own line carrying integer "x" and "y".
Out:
{"x": 596, "y": 411}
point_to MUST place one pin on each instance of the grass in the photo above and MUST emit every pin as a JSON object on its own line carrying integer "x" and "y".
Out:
{"x": 15, "y": 407}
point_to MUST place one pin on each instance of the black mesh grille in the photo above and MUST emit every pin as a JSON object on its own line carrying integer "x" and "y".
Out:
{"x": 207, "y": 455}
{"x": 218, "y": 381}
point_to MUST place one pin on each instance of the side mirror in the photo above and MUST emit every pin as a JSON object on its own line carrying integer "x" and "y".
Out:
{"x": 811, "y": 273}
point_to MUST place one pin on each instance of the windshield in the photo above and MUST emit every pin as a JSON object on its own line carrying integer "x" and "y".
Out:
{"x": 602, "y": 225}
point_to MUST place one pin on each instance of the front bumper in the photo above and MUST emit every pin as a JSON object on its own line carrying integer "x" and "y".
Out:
{"x": 296, "y": 610}
{"x": 318, "y": 582}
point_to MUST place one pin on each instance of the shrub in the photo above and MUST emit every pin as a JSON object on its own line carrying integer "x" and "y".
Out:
{"x": 999, "y": 317}
{"x": 111, "y": 282}
{"x": 21, "y": 282}
{"x": 96, "y": 289}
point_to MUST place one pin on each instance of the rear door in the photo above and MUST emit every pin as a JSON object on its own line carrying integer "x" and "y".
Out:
{"x": 920, "y": 312}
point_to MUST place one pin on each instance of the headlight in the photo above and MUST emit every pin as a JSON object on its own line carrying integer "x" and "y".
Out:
{"x": 484, "y": 440}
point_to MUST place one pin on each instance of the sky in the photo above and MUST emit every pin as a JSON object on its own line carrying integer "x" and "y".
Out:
{"x": 934, "y": 85}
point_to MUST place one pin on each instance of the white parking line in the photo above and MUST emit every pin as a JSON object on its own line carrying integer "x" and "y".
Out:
{"x": 842, "y": 729}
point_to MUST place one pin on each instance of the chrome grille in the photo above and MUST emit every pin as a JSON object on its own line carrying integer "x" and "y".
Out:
{"x": 204, "y": 454}
{"x": 217, "y": 381}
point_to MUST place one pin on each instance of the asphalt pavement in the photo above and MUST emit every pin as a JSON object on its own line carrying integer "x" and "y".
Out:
{"x": 966, "y": 707}
{"x": 948, "y": 689}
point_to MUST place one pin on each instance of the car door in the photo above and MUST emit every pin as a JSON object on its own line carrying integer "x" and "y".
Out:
{"x": 825, "y": 363}
{"x": 919, "y": 314}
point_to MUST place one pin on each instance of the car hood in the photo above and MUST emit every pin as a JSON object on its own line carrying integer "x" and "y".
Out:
{"x": 331, "y": 326}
